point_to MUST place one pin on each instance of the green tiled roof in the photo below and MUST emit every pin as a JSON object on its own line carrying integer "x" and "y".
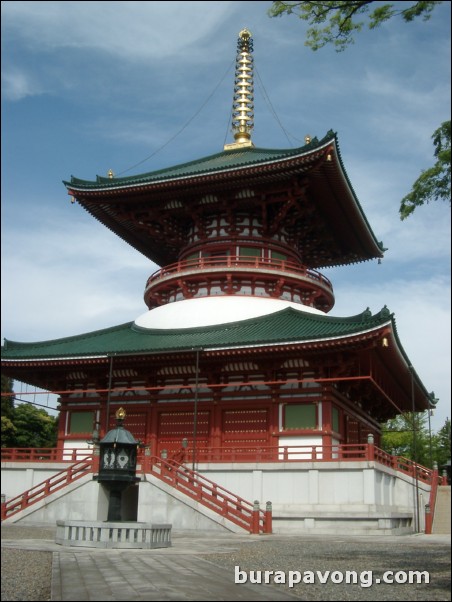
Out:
{"x": 166, "y": 197}
{"x": 225, "y": 160}
{"x": 286, "y": 326}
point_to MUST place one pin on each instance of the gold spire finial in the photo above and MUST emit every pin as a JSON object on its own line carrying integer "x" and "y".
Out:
{"x": 243, "y": 106}
{"x": 110, "y": 173}
{"x": 120, "y": 414}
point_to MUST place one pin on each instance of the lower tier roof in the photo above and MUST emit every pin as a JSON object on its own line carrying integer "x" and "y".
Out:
{"x": 371, "y": 340}
{"x": 288, "y": 326}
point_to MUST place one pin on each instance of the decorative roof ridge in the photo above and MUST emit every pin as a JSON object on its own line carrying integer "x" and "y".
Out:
{"x": 365, "y": 318}
{"x": 253, "y": 152}
{"x": 379, "y": 243}
{"x": 9, "y": 345}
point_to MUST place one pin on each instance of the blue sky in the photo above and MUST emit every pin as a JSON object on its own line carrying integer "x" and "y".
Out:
{"x": 89, "y": 86}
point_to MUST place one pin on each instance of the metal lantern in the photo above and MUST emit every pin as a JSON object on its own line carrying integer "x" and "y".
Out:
{"x": 118, "y": 453}
{"x": 117, "y": 464}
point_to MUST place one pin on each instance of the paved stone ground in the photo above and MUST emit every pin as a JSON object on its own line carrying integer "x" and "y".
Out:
{"x": 358, "y": 554}
{"x": 200, "y": 566}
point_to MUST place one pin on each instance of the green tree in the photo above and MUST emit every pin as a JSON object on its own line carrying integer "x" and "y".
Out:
{"x": 342, "y": 18}
{"x": 25, "y": 425}
{"x": 7, "y": 400}
{"x": 441, "y": 444}
{"x": 34, "y": 427}
{"x": 336, "y": 23}
{"x": 8, "y": 432}
{"x": 8, "y": 428}
{"x": 407, "y": 435}
{"x": 434, "y": 183}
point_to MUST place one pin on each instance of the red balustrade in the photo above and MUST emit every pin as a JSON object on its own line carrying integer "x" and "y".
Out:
{"x": 196, "y": 486}
{"x": 44, "y": 454}
{"x": 431, "y": 503}
{"x": 209, "y": 494}
{"x": 237, "y": 261}
{"x": 47, "y": 487}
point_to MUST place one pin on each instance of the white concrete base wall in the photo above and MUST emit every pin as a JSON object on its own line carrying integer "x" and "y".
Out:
{"x": 316, "y": 483}
{"x": 18, "y": 477}
{"x": 159, "y": 502}
{"x": 77, "y": 501}
{"x": 358, "y": 497}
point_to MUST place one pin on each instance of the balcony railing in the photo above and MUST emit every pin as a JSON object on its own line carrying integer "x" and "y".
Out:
{"x": 240, "y": 264}
{"x": 44, "y": 454}
{"x": 359, "y": 452}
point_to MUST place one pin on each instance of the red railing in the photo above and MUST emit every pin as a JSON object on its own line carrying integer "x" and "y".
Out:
{"x": 44, "y": 454}
{"x": 412, "y": 469}
{"x": 404, "y": 465}
{"x": 47, "y": 487}
{"x": 194, "y": 485}
{"x": 282, "y": 453}
{"x": 431, "y": 503}
{"x": 198, "y": 487}
{"x": 209, "y": 494}
{"x": 349, "y": 452}
{"x": 239, "y": 262}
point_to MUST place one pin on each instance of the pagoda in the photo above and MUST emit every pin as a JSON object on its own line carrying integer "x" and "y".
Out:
{"x": 236, "y": 353}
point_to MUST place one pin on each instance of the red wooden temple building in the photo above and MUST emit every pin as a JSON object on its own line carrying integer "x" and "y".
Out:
{"x": 237, "y": 350}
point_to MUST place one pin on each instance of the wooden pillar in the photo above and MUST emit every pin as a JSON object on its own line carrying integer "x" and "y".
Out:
{"x": 215, "y": 423}
{"x": 274, "y": 421}
{"x": 268, "y": 518}
{"x": 273, "y": 426}
{"x": 148, "y": 425}
{"x": 62, "y": 424}
{"x": 102, "y": 417}
{"x": 255, "y": 518}
{"x": 327, "y": 423}
{"x": 153, "y": 430}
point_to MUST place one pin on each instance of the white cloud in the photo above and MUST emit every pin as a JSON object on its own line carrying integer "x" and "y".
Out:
{"x": 73, "y": 276}
{"x": 125, "y": 29}
{"x": 380, "y": 185}
{"x": 121, "y": 78}
{"x": 17, "y": 84}
{"x": 422, "y": 313}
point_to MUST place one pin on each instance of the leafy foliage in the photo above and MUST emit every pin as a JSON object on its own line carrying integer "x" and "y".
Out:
{"x": 441, "y": 444}
{"x": 25, "y": 425}
{"x": 408, "y": 435}
{"x": 34, "y": 427}
{"x": 336, "y": 23}
{"x": 342, "y": 18}
{"x": 8, "y": 432}
{"x": 434, "y": 183}
{"x": 7, "y": 400}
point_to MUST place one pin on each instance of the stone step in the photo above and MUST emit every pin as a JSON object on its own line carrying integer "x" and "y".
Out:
{"x": 442, "y": 517}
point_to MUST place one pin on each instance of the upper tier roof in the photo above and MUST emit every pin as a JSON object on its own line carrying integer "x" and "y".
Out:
{"x": 151, "y": 210}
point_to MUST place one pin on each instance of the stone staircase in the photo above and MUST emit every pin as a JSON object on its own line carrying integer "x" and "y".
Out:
{"x": 441, "y": 520}
{"x": 208, "y": 497}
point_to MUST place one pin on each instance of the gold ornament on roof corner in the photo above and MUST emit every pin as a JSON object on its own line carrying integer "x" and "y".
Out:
{"x": 307, "y": 139}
